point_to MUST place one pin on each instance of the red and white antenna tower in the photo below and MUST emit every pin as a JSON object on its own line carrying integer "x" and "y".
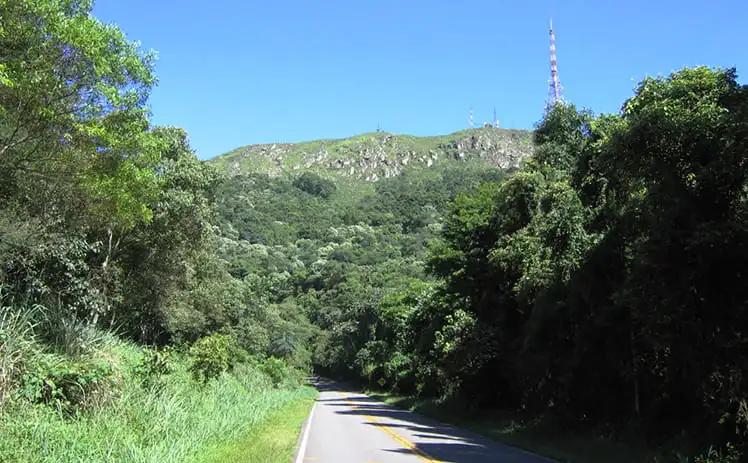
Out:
{"x": 555, "y": 91}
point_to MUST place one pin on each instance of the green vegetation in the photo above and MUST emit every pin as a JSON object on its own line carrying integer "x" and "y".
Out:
{"x": 598, "y": 286}
{"x": 378, "y": 155}
{"x": 149, "y": 417}
{"x": 272, "y": 441}
{"x": 158, "y": 308}
{"x": 123, "y": 336}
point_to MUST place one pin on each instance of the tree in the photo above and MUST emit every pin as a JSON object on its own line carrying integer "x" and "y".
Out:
{"x": 160, "y": 257}
{"x": 315, "y": 185}
{"x": 75, "y": 156}
{"x": 73, "y": 93}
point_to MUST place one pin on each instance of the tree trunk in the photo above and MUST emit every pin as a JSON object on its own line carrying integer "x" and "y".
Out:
{"x": 634, "y": 368}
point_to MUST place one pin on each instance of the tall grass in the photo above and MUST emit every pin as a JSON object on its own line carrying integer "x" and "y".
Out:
{"x": 170, "y": 420}
{"x": 274, "y": 440}
{"x": 16, "y": 341}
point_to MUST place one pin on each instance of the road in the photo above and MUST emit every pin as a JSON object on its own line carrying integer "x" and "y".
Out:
{"x": 349, "y": 427}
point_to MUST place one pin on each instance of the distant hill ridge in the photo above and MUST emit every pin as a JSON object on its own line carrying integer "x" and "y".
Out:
{"x": 376, "y": 155}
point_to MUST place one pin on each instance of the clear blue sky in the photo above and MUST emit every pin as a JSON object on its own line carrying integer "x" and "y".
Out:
{"x": 235, "y": 72}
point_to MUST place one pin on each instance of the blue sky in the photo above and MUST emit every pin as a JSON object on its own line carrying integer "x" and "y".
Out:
{"x": 235, "y": 72}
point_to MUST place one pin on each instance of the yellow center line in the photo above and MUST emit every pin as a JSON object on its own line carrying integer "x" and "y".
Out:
{"x": 423, "y": 456}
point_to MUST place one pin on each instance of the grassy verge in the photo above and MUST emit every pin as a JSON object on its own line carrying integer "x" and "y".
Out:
{"x": 174, "y": 418}
{"x": 274, "y": 440}
{"x": 529, "y": 434}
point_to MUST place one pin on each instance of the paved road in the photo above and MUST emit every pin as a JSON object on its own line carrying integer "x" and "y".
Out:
{"x": 349, "y": 427}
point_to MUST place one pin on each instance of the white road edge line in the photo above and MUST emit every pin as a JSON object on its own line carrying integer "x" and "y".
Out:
{"x": 305, "y": 439}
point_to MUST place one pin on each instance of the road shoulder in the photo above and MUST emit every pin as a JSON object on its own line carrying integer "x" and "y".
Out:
{"x": 524, "y": 434}
{"x": 274, "y": 440}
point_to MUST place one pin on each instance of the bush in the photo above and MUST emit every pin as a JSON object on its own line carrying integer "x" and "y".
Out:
{"x": 280, "y": 374}
{"x": 730, "y": 455}
{"x": 69, "y": 386}
{"x": 215, "y": 354}
{"x": 154, "y": 365}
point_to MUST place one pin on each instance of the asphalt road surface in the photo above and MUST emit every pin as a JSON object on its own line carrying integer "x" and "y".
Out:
{"x": 349, "y": 427}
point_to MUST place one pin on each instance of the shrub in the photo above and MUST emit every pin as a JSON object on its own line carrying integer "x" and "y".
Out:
{"x": 214, "y": 354}
{"x": 153, "y": 365}
{"x": 730, "y": 455}
{"x": 280, "y": 373}
{"x": 69, "y": 386}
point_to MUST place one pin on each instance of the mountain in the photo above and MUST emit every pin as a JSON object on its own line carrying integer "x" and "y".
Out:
{"x": 377, "y": 155}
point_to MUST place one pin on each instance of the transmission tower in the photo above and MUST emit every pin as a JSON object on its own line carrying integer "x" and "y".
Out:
{"x": 471, "y": 121}
{"x": 555, "y": 91}
{"x": 495, "y": 120}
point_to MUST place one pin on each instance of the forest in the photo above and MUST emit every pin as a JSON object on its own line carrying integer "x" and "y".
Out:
{"x": 601, "y": 285}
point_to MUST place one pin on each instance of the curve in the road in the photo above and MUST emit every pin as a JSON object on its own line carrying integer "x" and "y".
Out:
{"x": 349, "y": 427}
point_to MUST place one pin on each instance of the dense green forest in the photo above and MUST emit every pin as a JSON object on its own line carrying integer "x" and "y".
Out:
{"x": 601, "y": 284}
{"x": 144, "y": 291}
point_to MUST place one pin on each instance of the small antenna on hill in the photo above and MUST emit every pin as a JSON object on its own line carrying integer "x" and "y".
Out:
{"x": 495, "y": 120}
{"x": 472, "y": 123}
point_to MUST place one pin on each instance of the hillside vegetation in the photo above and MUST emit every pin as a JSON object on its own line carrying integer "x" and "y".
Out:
{"x": 598, "y": 289}
{"x": 374, "y": 156}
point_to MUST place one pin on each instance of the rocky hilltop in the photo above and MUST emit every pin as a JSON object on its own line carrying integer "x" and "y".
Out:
{"x": 378, "y": 155}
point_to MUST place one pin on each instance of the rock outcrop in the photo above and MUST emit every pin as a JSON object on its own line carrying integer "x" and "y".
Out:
{"x": 382, "y": 155}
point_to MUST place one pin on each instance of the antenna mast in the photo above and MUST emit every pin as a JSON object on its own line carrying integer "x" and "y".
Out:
{"x": 555, "y": 91}
{"x": 495, "y": 120}
{"x": 472, "y": 123}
